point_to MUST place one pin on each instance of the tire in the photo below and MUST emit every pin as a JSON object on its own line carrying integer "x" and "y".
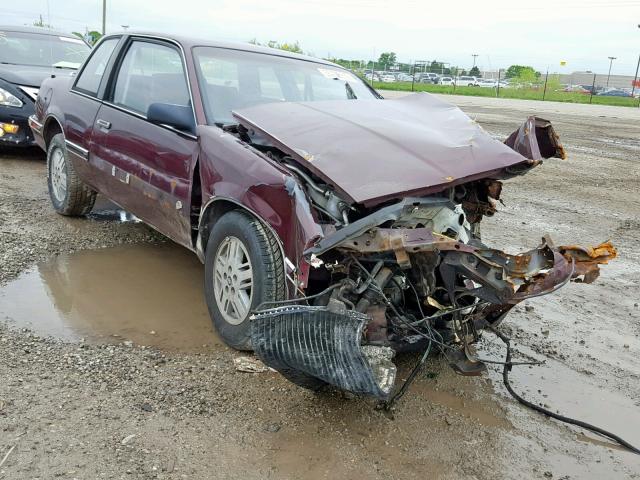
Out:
{"x": 236, "y": 238}
{"x": 69, "y": 195}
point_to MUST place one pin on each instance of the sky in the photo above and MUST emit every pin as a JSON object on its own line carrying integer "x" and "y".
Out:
{"x": 540, "y": 33}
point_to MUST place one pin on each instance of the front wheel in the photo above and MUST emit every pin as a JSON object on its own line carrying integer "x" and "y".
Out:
{"x": 69, "y": 195}
{"x": 244, "y": 267}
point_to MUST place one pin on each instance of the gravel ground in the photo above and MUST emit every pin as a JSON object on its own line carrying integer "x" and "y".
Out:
{"x": 125, "y": 410}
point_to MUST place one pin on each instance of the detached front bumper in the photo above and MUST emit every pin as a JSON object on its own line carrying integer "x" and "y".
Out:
{"x": 312, "y": 346}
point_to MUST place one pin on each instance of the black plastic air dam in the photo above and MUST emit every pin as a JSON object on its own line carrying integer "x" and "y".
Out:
{"x": 302, "y": 342}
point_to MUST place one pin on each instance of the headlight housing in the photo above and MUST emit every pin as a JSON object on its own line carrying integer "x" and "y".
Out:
{"x": 7, "y": 99}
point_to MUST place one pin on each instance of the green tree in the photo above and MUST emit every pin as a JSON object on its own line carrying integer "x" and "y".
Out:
{"x": 91, "y": 37}
{"x": 289, "y": 47}
{"x": 387, "y": 59}
{"x": 515, "y": 71}
{"x": 527, "y": 77}
{"x": 474, "y": 72}
{"x": 438, "y": 67}
{"x": 40, "y": 23}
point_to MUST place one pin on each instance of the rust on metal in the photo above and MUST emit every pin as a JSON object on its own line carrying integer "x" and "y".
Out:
{"x": 536, "y": 140}
{"x": 588, "y": 259}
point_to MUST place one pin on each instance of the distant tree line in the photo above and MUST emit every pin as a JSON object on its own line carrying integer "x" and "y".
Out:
{"x": 386, "y": 60}
{"x": 288, "y": 46}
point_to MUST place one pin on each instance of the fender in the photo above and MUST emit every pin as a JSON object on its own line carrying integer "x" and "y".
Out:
{"x": 262, "y": 188}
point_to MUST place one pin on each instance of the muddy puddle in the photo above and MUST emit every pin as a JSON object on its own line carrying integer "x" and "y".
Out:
{"x": 147, "y": 294}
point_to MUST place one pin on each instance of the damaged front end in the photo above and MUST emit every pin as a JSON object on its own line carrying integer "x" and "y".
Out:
{"x": 410, "y": 276}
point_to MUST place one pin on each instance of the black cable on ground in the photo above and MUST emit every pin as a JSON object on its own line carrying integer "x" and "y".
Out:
{"x": 398, "y": 395}
{"x": 505, "y": 378}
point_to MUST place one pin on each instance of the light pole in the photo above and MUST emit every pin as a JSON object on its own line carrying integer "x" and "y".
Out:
{"x": 104, "y": 17}
{"x": 635, "y": 78}
{"x": 611, "y": 59}
{"x": 474, "y": 55}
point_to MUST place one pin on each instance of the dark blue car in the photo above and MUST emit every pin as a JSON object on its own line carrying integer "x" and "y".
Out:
{"x": 615, "y": 93}
{"x": 28, "y": 55}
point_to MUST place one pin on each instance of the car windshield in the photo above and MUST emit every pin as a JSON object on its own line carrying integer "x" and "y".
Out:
{"x": 42, "y": 50}
{"x": 232, "y": 79}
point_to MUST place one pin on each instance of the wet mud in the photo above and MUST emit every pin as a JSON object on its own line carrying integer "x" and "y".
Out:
{"x": 146, "y": 294}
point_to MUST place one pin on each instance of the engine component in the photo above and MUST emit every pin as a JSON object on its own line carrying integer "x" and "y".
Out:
{"x": 324, "y": 198}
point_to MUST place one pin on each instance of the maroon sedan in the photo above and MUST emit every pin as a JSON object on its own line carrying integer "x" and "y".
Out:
{"x": 336, "y": 228}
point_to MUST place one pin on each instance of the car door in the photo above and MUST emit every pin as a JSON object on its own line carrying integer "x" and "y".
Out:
{"x": 148, "y": 167}
{"x": 80, "y": 112}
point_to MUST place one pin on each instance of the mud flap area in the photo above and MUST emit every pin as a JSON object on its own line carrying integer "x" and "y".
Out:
{"x": 310, "y": 345}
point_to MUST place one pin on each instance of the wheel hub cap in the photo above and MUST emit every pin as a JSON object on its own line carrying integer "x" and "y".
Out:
{"x": 58, "y": 174}
{"x": 233, "y": 280}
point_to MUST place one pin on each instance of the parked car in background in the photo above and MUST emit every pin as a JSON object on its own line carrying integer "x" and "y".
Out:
{"x": 273, "y": 168}
{"x": 372, "y": 76}
{"x": 578, "y": 89}
{"x": 445, "y": 81}
{"x": 404, "y": 77}
{"x": 592, "y": 89}
{"x": 429, "y": 77}
{"x": 487, "y": 83}
{"x": 387, "y": 78}
{"x": 616, "y": 92}
{"x": 466, "y": 81}
{"x": 28, "y": 55}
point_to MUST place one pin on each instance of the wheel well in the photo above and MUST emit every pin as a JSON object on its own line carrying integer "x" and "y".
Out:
{"x": 213, "y": 212}
{"x": 51, "y": 128}
{"x": 217, "y": 209}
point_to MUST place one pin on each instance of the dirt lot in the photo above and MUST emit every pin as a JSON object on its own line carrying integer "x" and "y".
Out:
{"x": 109, "y": 368}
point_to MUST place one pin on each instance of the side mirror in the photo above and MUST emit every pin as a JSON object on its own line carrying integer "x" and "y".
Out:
{"x": 179, "y": 117}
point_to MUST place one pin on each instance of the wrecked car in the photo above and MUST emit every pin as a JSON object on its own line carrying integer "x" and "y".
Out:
{"x": 336, "y": 227}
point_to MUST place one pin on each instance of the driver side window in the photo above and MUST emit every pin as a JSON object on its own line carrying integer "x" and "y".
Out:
{"x": 150, "y": 73}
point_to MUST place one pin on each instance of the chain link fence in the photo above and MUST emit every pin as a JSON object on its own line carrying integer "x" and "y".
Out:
{"x": 575, "y": 88}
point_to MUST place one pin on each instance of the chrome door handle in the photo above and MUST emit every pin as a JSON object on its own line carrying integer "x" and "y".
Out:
{"x": 103, "y": 124}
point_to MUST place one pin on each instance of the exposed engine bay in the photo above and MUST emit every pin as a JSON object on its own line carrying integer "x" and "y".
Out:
{"x": 407, "y": 275}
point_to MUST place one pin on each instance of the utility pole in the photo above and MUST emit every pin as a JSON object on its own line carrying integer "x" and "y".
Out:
{"x": 611, "y": 59}
{"x": 474, "y": 55}
{"x": 104, "y": 17}
{"x": 635, "y": 78}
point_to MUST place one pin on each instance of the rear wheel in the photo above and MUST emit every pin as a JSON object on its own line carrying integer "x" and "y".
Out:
{"x": 69, "y": 195}
{"x": 243, "y": 268}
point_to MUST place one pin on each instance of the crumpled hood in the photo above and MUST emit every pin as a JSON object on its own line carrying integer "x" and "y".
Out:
{"x": 375, "y": 150}
{"x": 30, "y": 75}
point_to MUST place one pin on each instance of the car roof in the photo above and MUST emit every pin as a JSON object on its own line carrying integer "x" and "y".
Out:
{"x": 37, "y": 30}
{"x": 190, "y": 42}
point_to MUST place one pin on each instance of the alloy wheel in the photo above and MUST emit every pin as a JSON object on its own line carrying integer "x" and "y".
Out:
{"x": 58, "y": 174}
{"x": 233, "y": 280}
